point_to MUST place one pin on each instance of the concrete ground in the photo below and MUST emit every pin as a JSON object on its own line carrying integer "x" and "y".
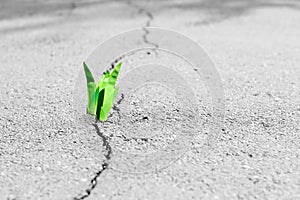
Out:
{"x": 255, "y": 46}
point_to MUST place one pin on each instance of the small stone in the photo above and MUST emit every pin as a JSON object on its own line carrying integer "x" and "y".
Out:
{"x": 39, "y": 169}
{"x": 83, "y": 180}
{"x": 11, "y": 197}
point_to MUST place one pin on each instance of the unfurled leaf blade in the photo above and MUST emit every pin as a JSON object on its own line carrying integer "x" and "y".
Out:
{"x": 114, "y": 74}
{"x": 88, "y": 74}
{"x": 91, "y": 100}
{"x": 91, "y": 87}
{"x": 104, "y": 80}
{"x": 110, "y": 92}
{"x": 95, "y": 97}
{"x": 115, "y": 93}
{"x": 103, "y": 115}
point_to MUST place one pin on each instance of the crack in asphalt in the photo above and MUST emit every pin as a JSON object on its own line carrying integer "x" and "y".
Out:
{"x": 116, "y": 61}
{"x": 106, "y": 145}
{"x": 145, "y": 28}
{"x": 94, "y": 181}
{"x": 150, "y": 18}
{"x": 136, "y": 139}
{"x": 115, "y": 107}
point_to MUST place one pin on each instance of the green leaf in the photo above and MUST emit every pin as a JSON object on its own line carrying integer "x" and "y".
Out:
{"x": 110, "y": 92}
{"x": 100, "y": 104}
{"x": 115, "y": 93}
{"x": 104, "y": 80}
{"x": 96, "y": 95}
{"x": 107, "y": 105}
{"x": 88, "y": 73}
{"x": 114, "y": 74}
{"x": 91, "y": 87}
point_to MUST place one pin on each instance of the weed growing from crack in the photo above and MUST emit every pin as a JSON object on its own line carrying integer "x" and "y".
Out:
{"x": 101, "y": 96}
{"x": 100, "y": 102}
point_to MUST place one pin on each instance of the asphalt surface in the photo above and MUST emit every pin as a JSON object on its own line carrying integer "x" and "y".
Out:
{"x": 255, "y": 48}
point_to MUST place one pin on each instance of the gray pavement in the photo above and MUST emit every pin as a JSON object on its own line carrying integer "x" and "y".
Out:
{"x": 255, "y": 46}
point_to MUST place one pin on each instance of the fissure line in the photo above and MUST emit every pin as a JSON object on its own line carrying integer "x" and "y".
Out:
{"x": 94, "y": 180}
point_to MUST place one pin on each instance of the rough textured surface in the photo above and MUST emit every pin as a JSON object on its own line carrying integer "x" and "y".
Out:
{"x": 255, "y": 47}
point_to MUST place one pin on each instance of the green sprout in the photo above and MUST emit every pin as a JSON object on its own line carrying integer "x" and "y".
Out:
{"x": 101, "y": 96}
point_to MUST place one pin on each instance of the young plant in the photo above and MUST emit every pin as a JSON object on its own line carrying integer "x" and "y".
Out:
{"x": 101, "y": 96}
